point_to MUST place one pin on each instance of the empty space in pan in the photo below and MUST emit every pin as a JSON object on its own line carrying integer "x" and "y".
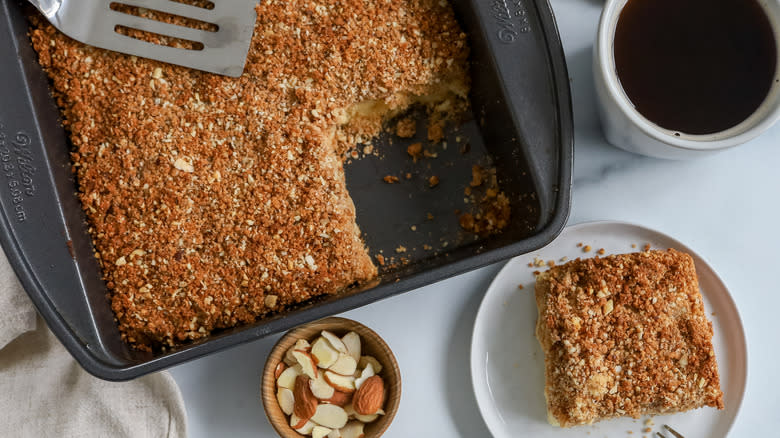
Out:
{"x": 414, "y": 226}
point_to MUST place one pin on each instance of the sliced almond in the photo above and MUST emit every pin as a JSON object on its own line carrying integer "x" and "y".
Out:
{"x": 307, "y": 363}
{"x": 320, "y": 432}
{"x": 367, "y": 372}
{"x": 305, "y": 403}
{"x": 323, "y": 353}
{"x": 349, "y": 410}
{"x": 331, "y": 416}
{"x": 300, "y": 345}
{"x": 288, "y": 358}
{"x": 335, "y": 341}
{"x": 365, "y": 360}
{"x": 287, "y": 378}
{"x": 370, "y": 397}
{"x": 352, "y": 341}
{"x": 344, "y": 365}
{"x": 340, "y": 383}
{"x": 286, "y": 400}
{"x": 300, "y": 425}
{"x": 339, "y": 398}
{"x": 320, "y": 388}
{"x": 366, "y": 418}
{"x": 281, "y": 366}
{"x": 353, "y": 429}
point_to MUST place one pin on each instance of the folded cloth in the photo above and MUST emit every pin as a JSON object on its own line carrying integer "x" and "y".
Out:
{"x": 45, "y": 393}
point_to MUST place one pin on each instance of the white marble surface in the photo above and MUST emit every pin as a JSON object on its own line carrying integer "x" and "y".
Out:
{"x": 726, "y": 207}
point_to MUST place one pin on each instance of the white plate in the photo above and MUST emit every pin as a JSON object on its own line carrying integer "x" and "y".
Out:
{"x": 507, "y": 363}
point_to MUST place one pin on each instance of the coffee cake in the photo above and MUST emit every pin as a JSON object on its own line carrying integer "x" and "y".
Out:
{"x": 625, "y": 335}
{"x": 213, "y": 201}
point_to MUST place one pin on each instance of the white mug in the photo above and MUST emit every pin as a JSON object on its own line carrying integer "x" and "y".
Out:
{"x": 627, "y": 129}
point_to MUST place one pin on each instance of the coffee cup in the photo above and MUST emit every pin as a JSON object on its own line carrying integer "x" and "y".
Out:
{"x": 627, "y": 128}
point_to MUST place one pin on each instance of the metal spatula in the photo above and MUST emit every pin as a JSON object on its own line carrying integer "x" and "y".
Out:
{"x": 222, "y": 49}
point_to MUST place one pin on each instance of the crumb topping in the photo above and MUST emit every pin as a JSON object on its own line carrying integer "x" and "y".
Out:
{"x": 625, "y": 335}
{"x": 213, "y": 201}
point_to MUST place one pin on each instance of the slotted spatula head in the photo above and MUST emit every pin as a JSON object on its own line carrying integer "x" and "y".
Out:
{"x": 219, "y": 44}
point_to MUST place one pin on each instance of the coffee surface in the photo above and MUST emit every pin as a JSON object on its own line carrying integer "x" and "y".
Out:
{"x": 695, "y": 66}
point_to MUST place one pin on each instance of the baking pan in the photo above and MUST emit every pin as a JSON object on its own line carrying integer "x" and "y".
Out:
{"x": 520, "y": 123}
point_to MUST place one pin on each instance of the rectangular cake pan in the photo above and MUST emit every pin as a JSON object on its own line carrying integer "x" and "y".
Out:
{"x": 521, "y": 123}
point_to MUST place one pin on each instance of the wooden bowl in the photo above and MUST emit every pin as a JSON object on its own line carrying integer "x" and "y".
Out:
{"x": 372, "y": 345}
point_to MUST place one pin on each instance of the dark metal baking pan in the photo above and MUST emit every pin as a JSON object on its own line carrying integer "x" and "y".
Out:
{"x": 521, "y": 123}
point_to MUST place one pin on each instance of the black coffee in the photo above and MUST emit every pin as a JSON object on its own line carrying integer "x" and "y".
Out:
{"x": 695, "y": 66}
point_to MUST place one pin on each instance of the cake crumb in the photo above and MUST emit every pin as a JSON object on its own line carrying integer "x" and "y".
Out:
{"x": 435, "y": 131}
{"x": 601, "y": 251}
{"x": 466, "y": 221}
{"x": 433, "y": 181}
{"x": 380, "y": 259}
{"x": 586, "y": 248}
{"x": 646, "y": 247}
{"x": 415, "y": 151}
{"x": 406, "y": 127}
{"x": 477, "y": 176}
{"x": 400, "y": 249}
{"x": 492, "y": 210}
{"x": 633, "y": 245}
{"x": 390, "y": 179}
{"x": 579, "y": 245}
{"x": 520, "y": 286}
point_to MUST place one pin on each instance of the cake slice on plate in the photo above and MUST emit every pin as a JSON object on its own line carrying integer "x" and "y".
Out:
{"x": 625, "y": 335}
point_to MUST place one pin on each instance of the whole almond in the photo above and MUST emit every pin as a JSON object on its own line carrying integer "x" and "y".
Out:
{"x": 305, "y": 403}
{"x": 370, "y": 397}
{"x": 339, "y": 398}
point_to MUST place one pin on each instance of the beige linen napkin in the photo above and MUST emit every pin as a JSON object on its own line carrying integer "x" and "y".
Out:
{"x": 45, "y": 393}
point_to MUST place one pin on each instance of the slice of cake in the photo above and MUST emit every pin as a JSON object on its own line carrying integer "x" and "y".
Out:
{"x": 625, "y": 335}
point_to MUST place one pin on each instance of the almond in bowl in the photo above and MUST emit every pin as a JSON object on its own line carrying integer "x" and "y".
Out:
{"x": 333, "y": 378}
